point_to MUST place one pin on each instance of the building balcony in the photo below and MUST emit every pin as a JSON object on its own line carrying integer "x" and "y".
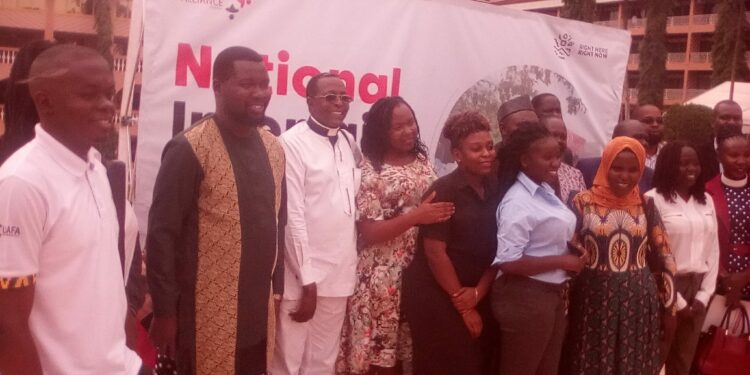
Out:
{"x": 671, "y": 96}
{"x": 637, "y": 26}
{"x": 700, "y": 61}
{"x": 121, "y": 8}
{"x": 697, "y": 23}
{"x": 71, "y": 21}
{"x": 8, "y": 55}
{"x": 610, "y": 23}
{"x": 675, "y": 61}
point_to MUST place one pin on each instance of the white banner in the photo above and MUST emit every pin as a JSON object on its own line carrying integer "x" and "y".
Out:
{"x": 441, "y": 56}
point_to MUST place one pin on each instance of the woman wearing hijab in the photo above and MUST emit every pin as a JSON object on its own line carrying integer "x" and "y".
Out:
{"x": 617, "y": 300}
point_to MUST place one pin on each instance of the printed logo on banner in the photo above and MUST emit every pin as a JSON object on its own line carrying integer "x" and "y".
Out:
{"x": 233, "y": 10}
{"x": 565, "y": 47}
{"x": 235, "y": 6}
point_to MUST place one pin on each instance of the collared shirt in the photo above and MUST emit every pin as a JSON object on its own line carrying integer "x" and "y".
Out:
{"x": 322, "y": 183}
{"x": 532, "y": 221}
{"x": 692, "y": 231}
{"x": 58, "y": 231}
{"x": 469, "y": 235}
{"x": 651, "y": 159}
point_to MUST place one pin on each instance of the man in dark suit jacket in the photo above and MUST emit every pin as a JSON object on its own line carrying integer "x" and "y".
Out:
{"x": 726, "y": 113}
{"x": 626, "y": 128}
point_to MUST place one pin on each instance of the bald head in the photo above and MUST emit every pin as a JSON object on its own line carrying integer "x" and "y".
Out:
{"x": 632, "y": 129}
{"x": 727, "y": 113}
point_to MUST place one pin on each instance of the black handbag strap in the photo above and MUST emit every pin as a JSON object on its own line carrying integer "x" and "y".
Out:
{"x": 745, "y": 319}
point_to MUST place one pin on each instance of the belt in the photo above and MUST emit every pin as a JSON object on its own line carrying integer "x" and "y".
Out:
{"x": 557, "y": 288}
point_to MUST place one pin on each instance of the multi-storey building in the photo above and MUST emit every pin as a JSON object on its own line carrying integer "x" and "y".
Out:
{"x": 67, "y": 21}
{"x": 690, "y": 31}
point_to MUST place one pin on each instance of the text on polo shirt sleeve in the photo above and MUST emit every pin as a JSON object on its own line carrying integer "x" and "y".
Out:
{"x": 23, "y": 212}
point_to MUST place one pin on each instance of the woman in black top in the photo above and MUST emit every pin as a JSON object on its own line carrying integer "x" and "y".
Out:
{"x": 445, "y": 285}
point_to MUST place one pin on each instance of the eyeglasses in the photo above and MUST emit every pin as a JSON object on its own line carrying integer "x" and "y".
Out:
{"x": 332, "y": 98}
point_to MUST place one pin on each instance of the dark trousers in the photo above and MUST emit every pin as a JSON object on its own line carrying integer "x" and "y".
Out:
{"x": 681, "y": 349}
{"x": 532, "y": 322}
{"x": 251, "y": 359}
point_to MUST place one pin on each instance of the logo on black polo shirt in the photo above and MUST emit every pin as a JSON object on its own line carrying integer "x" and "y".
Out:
{"x": 9, "y": 231}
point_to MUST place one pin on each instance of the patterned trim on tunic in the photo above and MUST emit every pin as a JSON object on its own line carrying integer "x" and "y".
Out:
{"x": 7, "y": 283}
{"x": 220, "y": 248}
{"x": 219, "y": 253}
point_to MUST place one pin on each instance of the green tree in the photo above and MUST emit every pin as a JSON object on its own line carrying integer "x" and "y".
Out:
{"x": 104, "y": 40}
{"x": 581, "y": 10}
{"x": 731, "y": 26}
{"x": 688, "y": 122}
{"x": 103, "y": 27}
{"x": 653, "y": 53}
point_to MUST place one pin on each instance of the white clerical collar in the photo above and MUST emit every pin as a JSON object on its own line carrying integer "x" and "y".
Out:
{"x": 321, "y": 129}
{"x": 734, "y": 183}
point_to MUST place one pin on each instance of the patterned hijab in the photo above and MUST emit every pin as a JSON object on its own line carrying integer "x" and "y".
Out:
{"x": 602, "y": 193}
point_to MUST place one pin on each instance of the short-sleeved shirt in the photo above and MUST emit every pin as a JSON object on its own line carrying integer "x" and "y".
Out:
{"x": 59, "y": 232}
{"x": 469, "y": 235}
{"x": 533, "y": 221}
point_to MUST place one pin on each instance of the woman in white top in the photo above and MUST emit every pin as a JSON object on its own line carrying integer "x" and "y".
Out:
{"x": 690, "y": 220}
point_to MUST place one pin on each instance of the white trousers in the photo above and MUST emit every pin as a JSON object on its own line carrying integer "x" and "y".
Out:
{"x": 308, "y": 348}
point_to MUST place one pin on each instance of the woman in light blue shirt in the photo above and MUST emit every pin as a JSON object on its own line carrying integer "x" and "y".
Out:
{"x": 534, "y": 230}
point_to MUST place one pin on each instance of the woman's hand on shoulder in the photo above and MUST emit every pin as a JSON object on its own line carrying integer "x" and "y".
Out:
{"x": 430, "y": 213}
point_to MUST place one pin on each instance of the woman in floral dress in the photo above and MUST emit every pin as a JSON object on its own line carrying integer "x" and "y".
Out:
{"x": 395, "y": 175}
{"x": 624, "y": 297}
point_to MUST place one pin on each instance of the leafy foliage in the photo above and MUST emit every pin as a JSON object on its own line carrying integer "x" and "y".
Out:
{"x": 688, "y": 122}
{"x": 653, "y": 53}
{"x": 731, "y": 18}
{"x": 103, "y": 27}
{"x": 104, "y": 40}
{"x": 581, "y": 10}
